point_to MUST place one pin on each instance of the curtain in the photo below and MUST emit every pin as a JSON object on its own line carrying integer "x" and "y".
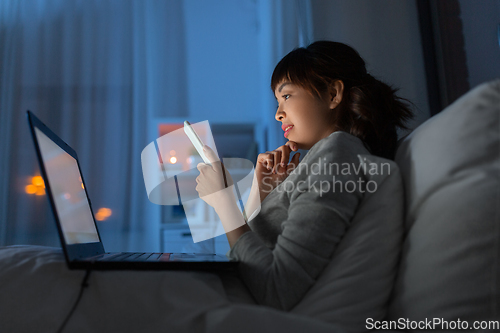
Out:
{"x": 94, "y": 72}
{"x": 285, "y": 25}
{"x": 98, "y": 73}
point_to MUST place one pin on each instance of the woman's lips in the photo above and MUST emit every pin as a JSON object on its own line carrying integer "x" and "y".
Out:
{"x": 287, "y": 130}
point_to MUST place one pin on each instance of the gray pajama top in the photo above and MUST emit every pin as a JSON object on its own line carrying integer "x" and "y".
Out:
{"x": 301, "y": 222}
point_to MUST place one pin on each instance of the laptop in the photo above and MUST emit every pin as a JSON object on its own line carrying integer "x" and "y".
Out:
{"x": 82, "y": 245}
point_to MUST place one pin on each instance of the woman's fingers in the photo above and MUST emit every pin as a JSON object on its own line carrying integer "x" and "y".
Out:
{"x": 202, "y": 167}
{"x": 266, "y": 160}
{"x": 292, "y": 145}
{"x": 273, "y": 160}
{"x": 282, "y": 157}
{"x": 210, "y": 154}
{"x": 213, "y": 178}
{"x": 285, "y": 154}
{"x": 269, "y": 159}
{"x": 278, "y": 158}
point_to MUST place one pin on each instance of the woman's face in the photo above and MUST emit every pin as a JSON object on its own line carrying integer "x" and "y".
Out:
{"x": 309, "y": 116}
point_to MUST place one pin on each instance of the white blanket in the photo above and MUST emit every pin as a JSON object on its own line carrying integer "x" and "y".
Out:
{"x": 37, "y": 291}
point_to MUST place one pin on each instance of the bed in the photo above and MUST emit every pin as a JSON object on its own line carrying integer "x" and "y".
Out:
{"x": 38, "y": 291}
{"x": 440, "y": 258}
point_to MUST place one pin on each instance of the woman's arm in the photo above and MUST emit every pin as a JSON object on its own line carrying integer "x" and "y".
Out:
{"x": 230, "y": 217}
{"x": 316, "y": 220}
{"x": 217, "y": 190}
{"x": 280, "y": 276}
{"x": 254, "y": 200}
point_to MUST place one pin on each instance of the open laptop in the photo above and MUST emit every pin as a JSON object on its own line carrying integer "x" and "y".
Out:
{"x": 70, "y": 203}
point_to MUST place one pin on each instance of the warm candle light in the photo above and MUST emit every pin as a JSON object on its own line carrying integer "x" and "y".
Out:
{"x": 173, "y": 159}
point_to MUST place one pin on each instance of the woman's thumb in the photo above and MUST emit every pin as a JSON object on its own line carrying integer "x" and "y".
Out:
{"x": 210, "y": 154}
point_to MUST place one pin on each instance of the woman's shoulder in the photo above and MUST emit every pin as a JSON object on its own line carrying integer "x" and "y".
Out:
{"x": 337, "y": 145}
{"x": 343, "y": 157}
{"x": 336, "y": 150}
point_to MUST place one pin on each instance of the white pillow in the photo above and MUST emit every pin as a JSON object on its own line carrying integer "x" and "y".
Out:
{"x": 451, "y": 170}
{"x": 357, "y": 283}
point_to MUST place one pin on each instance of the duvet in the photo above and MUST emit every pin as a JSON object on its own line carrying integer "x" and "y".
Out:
{"x": 37, "y": 291}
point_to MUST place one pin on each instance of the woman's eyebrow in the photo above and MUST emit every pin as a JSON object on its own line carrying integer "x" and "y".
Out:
{"x": 283, "y": 85}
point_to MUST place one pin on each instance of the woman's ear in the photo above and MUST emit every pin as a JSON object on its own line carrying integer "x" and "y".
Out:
{"x": 336, "y": 91}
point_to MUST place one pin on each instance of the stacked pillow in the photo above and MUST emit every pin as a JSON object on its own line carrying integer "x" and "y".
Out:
{"x": 450, "y": 267}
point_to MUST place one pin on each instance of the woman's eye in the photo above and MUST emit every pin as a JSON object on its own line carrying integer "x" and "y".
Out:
{"x": 287, "y": 96}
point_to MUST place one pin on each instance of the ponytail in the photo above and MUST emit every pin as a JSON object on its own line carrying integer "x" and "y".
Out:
{"x": 373, "y": 112}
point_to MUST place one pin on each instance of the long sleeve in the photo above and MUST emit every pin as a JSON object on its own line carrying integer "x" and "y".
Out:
{"x": 315, "y": 222}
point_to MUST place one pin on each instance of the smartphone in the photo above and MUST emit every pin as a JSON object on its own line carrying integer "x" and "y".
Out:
{"x": 195, "y": 140}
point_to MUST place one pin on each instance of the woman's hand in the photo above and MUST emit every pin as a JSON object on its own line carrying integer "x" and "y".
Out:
{"x": 218, "y": 193}
{"x": 212, "y": 188}
{"x": 273, "y": 167}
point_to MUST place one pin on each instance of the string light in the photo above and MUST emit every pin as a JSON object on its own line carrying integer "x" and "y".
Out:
{"x": 31, "y": 189}
{"x": 38, "y": 181}
{"x": 36, "y": 187}
{"x": 103, "y": 214}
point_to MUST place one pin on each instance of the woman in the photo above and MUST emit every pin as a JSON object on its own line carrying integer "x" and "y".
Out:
{"x": 327, "y": 104}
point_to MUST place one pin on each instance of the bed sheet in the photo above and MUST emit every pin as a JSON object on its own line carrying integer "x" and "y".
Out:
{"x": 37, "y": 291}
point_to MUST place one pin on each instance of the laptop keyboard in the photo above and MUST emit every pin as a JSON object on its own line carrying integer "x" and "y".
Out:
{"x": 149, "y": 257}
{"x": 131, "y": 256}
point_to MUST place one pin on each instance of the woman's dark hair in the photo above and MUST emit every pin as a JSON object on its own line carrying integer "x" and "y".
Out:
{"x": 370, "y": 109}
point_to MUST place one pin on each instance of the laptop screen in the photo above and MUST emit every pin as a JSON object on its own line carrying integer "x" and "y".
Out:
{"x": 67, "y": 189}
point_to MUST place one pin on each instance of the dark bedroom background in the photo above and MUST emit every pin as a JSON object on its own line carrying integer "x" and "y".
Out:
{"x": 109, "y": 76}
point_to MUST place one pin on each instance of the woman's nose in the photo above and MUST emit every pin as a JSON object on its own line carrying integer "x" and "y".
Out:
{"x": 279, "y": 115}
